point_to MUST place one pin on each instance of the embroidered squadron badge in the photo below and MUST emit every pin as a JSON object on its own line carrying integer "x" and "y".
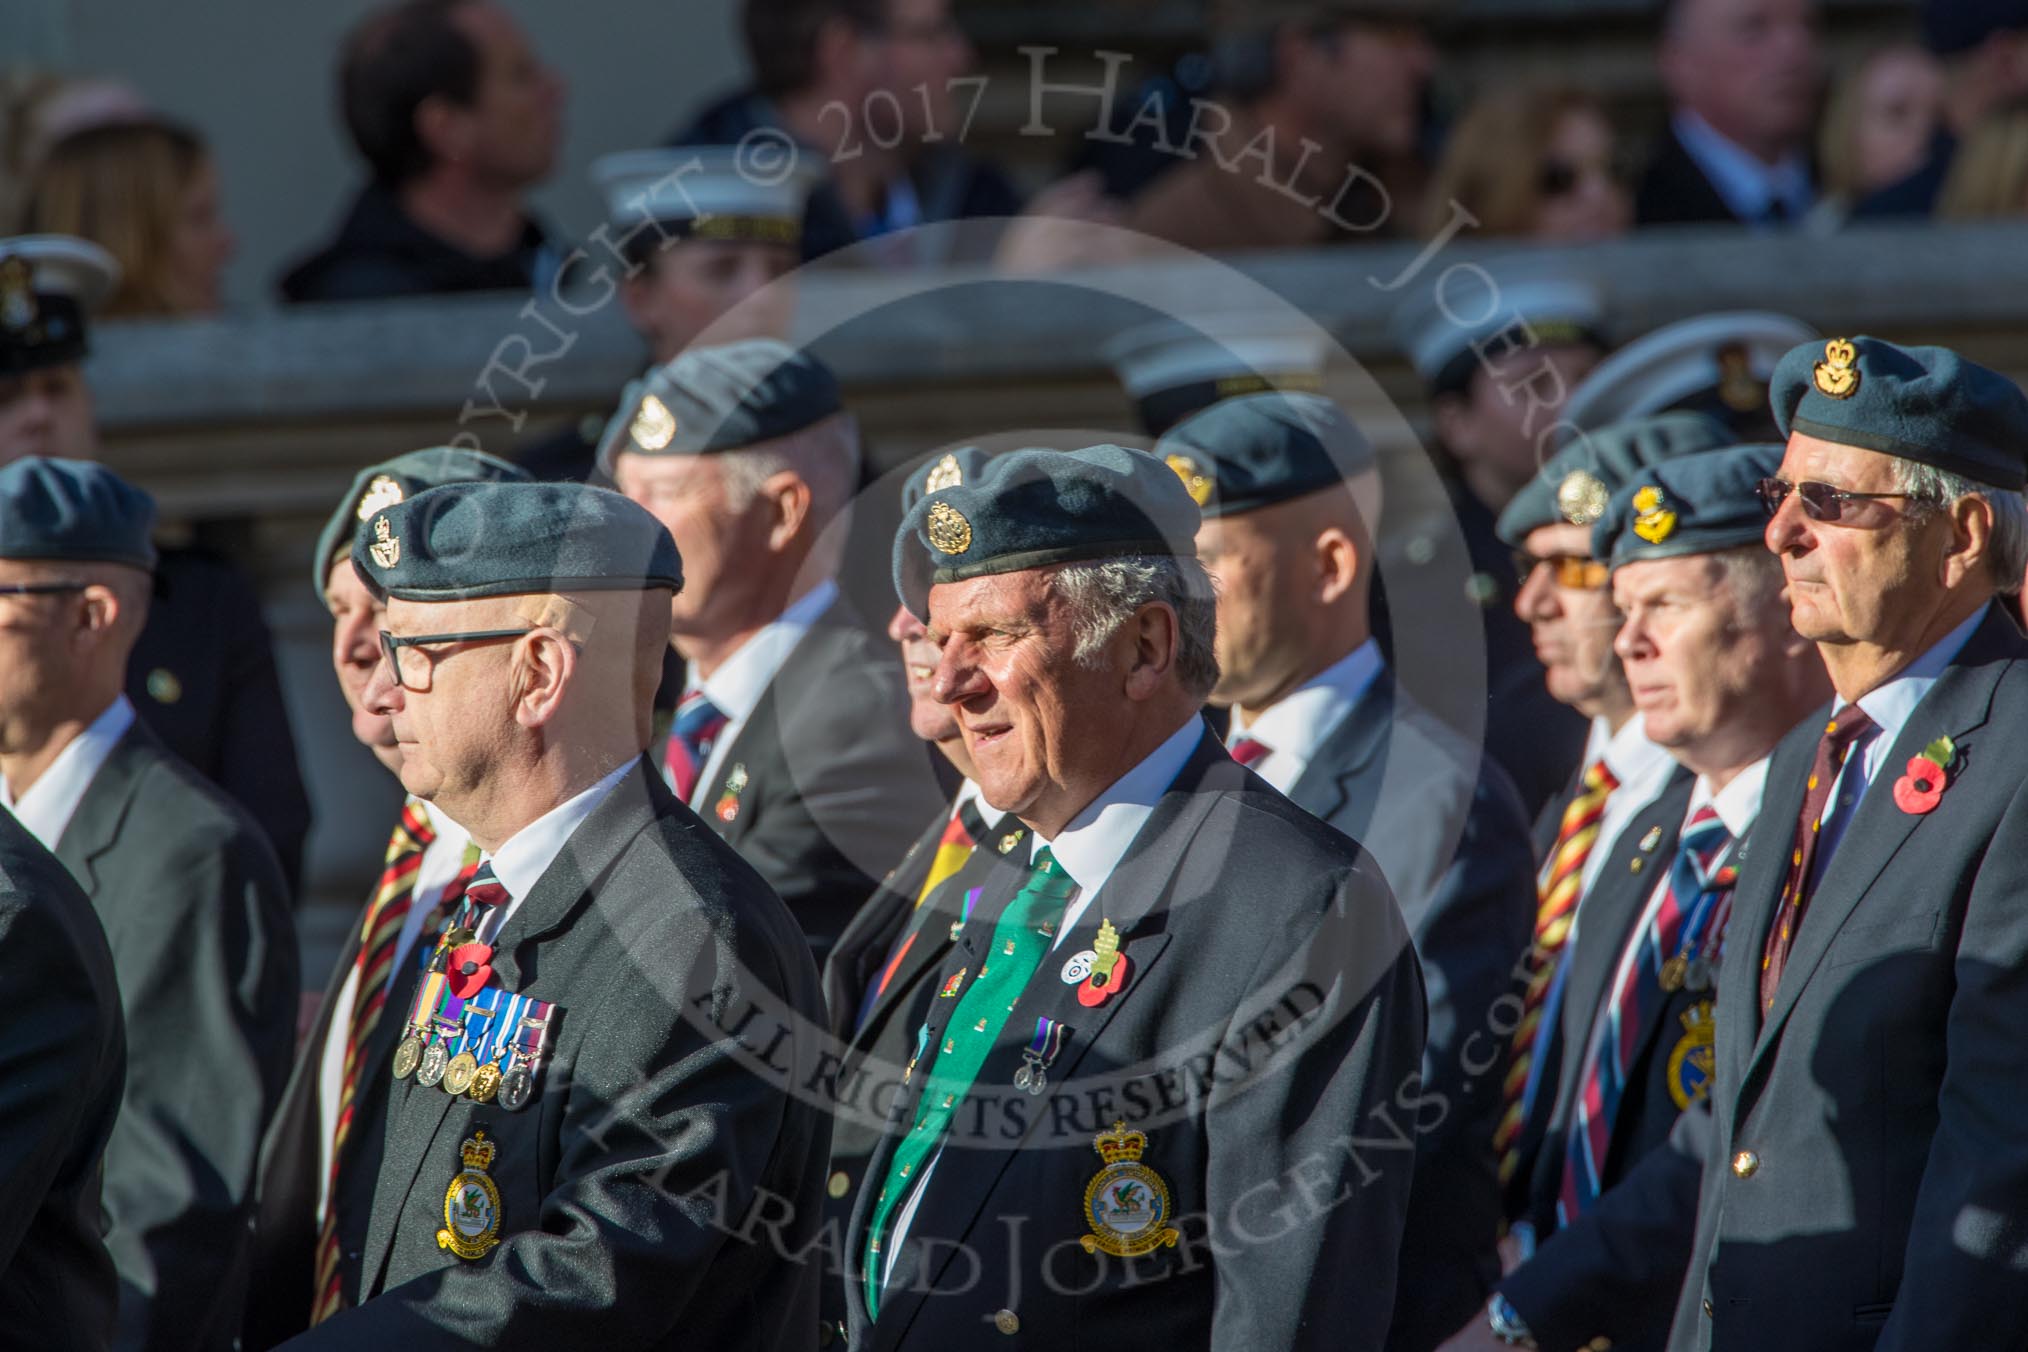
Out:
{"x": 654, "y": 425}
{"x": 1653, "y": 519}
{"x": 1837, "y": 375}
{"x": 1690, "y": 1064}
{"x": 472, "y": 1203}
{"x": 386, "y": 546}
{"x": 1126, "y": 1204}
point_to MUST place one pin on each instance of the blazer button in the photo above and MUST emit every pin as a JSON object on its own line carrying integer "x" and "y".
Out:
{"x": 1707, "y": 1309}
{"x": 1746, "y": 1164}
{"x": 1007, "y": 1322}
{"x": 840, "y": 1184}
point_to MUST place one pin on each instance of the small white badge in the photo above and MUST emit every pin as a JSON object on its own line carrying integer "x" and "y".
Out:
{"x": 1079, "y": 967}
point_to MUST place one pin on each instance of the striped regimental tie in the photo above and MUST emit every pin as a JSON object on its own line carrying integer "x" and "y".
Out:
{"x": 1556, "y": 902}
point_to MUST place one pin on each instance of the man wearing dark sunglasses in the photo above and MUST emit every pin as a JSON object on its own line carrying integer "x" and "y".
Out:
{"x": 1868, "y": 1180}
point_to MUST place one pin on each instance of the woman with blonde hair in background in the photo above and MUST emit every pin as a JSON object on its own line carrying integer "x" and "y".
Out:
{"x": 1533, "y": 162}
{"x": 146, "y": 191}
{"x": 1879, "y": 125}
{"x": 1989, "y": 174}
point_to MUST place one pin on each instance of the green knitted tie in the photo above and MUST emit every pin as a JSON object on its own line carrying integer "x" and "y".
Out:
{"x": 1018, "y": 946}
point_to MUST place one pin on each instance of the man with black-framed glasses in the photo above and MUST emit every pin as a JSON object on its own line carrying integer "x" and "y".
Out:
{"x": 581, "y": 1135}
{"x": 189, "y": 892}
{"x": 1867, "y": 1184}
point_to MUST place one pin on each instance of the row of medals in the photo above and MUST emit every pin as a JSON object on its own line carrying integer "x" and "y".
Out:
{"x": 462, "y": 1075}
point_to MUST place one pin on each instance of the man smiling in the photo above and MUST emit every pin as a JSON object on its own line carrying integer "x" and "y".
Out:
{"x": 1171, "y": 903}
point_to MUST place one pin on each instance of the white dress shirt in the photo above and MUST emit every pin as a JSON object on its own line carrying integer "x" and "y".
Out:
{"x": 735, "y": 689}
{"x": 1890, "y": 706}
{"x": 1748, "y": 184}
{"x": 51, "y": 801}
{"x": 1088, "y": 849}
{"x": 1296, "y": 728}
{"x": 441, "y": 864}
{"x": 520, "y": 863}
{"x": 1642, "y": 769}
{"x": 1737, "y": 804}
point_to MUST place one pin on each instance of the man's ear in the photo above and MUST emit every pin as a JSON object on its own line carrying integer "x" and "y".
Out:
{"x": 1338, "y": 559}
{"x": 1971, "y": 541}
{"x": 544, "y": 664}
{"x": 1154, "y": 639}
{"x": 440, "y": 127}
{"x": 789, "y": 500}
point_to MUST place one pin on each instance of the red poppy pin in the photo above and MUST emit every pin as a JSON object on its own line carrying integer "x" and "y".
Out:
{"x": 1928, "y": 775}
{"x": 471, "y": 968}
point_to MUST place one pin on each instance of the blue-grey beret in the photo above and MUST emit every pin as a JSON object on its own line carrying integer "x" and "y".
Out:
{"x": 1926, "y": 404}
{"x": 1698, "y": 504}
{"x": 398, "y": 480}
{"x": 1578, "y": 482}
{"x": 722, "y": 398}
{"x": 1035, "y": 508}
{"x": 1261, "y": 449}
{"x": 467, "y": 540}
{"x": 74, "y": 511}
{"x": 965, "y": 465}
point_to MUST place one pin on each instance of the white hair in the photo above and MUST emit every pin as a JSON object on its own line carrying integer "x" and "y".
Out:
{"x": 1104, "y": 595}
{"x": 824, "y": 455}
{"x": 1936, "y": 489}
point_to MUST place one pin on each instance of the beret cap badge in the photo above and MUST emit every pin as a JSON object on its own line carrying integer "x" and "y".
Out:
{"x": 1581, "y": 497}
{"x": 382, "y": 493}
{"x": 654, "y": 425}
{"x": 1195, "y": 481}
{"x": 946, "y": 473}
{"x": 949, "y": 532}
{"x": 1653, "y": 521}
{"x": 1837, "y": 376}
{"x": 386, "y": 546}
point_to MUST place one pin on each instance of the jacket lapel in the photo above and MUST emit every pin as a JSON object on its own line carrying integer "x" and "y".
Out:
{"x": 1329, "y": 781}
{"x": 95, "y": 827}
{"x": 416, "y": 1112}
{"x": 1132, "y": 899}
{"x": 1956, "y": 706}
{"x": 855, "y": 960}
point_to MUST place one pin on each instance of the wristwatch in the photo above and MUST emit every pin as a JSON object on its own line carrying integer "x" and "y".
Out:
{"x": 1507, "y": 1324}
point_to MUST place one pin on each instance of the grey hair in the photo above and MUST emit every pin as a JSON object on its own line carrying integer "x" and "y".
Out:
{"x": 824, "y": 455}
{"x": 1754, "y": 574}
{"x": 1105, "y": 594}
{"x": 1933, "y": 489}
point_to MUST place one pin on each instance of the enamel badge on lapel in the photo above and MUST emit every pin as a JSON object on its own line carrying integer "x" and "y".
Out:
{"x": 472, "y": 1203}
{"x": 727, "y": 808}
{"x": 1110, "y": 969}
{"x": 1648, "y": 844}
{"x": 1126, "y": 1204}
{"x": 956, "y": 980}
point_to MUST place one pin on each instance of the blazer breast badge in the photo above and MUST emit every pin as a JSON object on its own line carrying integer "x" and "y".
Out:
{"x": 472, "y": 1203}
{"x": 1126, "y": 1204}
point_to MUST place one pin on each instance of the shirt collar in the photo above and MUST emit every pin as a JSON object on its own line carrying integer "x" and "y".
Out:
{"x": 1631, "y": 756}
{"x": 1747, "y": 185}
{"x": 736, "y": 687}
{"x": 1738, "y": 803}
{"x": 520, "y": 863}
{"x": 1891, "y": 703}
{"x": 1298, "y": 724}
{"x": 52, "y": 800}
{"x": 1091, "y": 847}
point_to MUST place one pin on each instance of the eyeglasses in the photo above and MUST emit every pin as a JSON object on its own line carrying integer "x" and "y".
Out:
{"x": 1573, "y": 572}
{"x": 1821, "y": 502}
{"x": 41, "y": 588}
{"x": 413, "y": 667}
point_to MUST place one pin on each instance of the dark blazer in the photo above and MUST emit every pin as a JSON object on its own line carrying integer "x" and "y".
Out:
{"x": 204, "y": 945}
{"x": 873, "y": 1055}
{"x": 674, "y": 1152}
{"x": 202, "y": 677}
{"x": 62, "y": 1058}
{"x": 1674, "y": 191}
{"x": 835, "y": 783}
{"x": 1579, "y": 1286}
{"x": 285, "y": 1248}
{"x": 1868, "y": 1179}
{"x": 1268, "y": 1044}
{"x": 1448, "y": 831}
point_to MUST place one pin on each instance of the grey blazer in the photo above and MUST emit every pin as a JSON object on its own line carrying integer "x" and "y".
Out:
{"x": 656, "y": 1190}
{"x": 204, "y": 946}
{"x": 1867, "y": 1184}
